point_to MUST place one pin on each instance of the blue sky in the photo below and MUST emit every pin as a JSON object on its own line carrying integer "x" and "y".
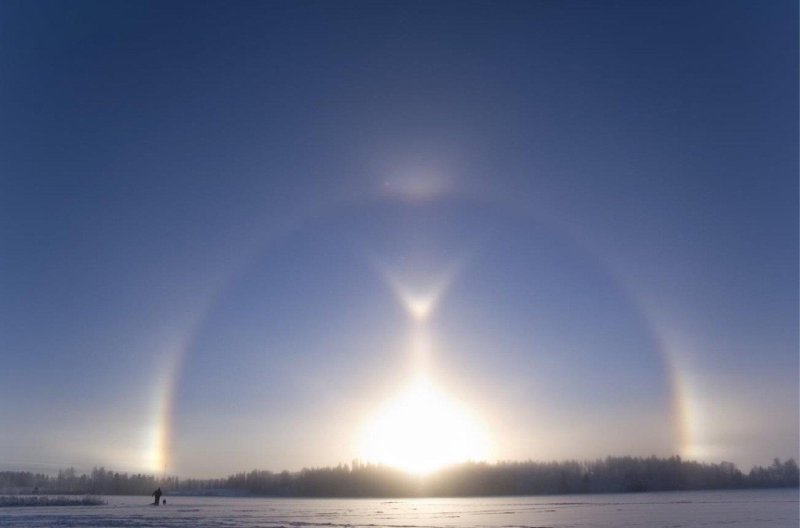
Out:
{"x": 203, "y": 208}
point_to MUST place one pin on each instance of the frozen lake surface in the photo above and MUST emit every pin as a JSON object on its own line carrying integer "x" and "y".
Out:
{"x": 738, "y": 509}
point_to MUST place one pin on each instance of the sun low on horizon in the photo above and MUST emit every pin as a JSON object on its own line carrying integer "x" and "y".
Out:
{"x": 421, "y": 430}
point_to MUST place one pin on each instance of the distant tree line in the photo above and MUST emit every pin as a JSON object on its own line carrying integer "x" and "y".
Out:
{"x": 610, "y": 475}
{"x": 68, "y": 482}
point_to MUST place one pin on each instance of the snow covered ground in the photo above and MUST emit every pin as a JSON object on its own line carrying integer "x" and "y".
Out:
{"x": 738, "y": 509}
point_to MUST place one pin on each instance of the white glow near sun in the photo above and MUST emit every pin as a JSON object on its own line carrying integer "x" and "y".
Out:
{"x": 418, "y": 185}
{"x": 423, "y": 430}
{"x": 419, "y": 304}
{"x": 419, "y": 307}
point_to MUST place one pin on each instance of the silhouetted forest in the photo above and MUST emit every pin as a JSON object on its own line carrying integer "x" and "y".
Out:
{"x": 610, "y": 475}
{"x": 68, "y": 482}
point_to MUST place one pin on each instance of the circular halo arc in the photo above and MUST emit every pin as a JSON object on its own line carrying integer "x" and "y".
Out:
{"x": 420, "y": 307}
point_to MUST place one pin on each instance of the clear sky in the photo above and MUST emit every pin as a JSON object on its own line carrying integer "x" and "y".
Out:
{"x": 263, "y": 234}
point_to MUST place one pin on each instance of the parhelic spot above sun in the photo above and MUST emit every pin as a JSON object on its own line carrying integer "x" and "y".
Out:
{"x": 421, "y": 430}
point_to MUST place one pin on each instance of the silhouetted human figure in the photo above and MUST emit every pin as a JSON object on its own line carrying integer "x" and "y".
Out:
{"x": 157, "y": 494}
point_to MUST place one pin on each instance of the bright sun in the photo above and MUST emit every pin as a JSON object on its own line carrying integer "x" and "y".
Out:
{"x": 422, "y": 430}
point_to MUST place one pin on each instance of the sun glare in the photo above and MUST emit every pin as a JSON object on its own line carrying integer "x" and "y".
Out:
{"x": 423, "y": 430}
